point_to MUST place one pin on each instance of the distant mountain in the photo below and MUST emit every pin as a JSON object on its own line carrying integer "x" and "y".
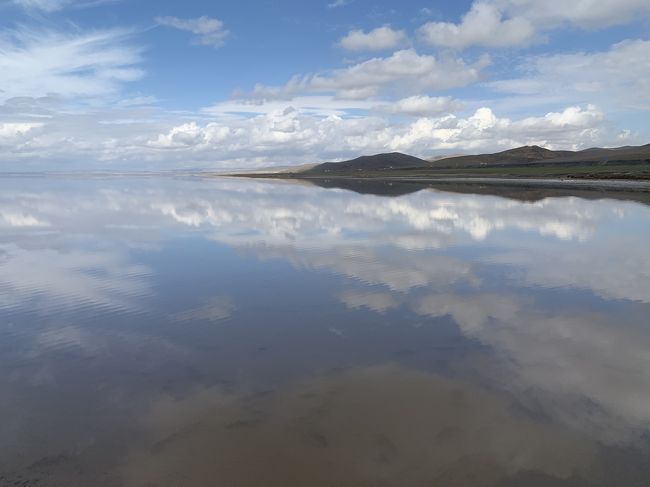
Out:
{"x": 520, "y": 155}
{"x": 445, "y": 156}
{"x": 378, "y": 162}
{"x": 535, "y": 154}
{"x": 526, "y": 155}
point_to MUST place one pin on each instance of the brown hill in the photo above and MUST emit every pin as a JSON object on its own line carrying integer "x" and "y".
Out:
{"x": 378, "y": 162}
{"x": 527, "y": 155}
{"x": 535, "y": 154}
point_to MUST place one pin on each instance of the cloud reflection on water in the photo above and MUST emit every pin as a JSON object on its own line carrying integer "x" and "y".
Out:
{"x": 366, "y": 426}
{"x": 555, "y": 291}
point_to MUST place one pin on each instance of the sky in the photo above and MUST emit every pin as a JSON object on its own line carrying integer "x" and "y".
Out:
{"x": 163, "y": 85}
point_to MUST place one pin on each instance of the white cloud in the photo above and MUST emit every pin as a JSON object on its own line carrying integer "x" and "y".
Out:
{"x": 11, "y": 133}
{"x": 483, "y": 25}
{"x": 324, "y": 105}
{"x": 186, "y": 135}
{"x": 618, "y": 76}
{"x": 50, "y": 6}
{"x": 378, "y": 39}
{"x": 329, "y": 114}
{"x": 515, "y": 23}
{"x": 278, "y": 133}
{"x": 40, "y": 63}
{"x": 586, "y": 14}
{"x": 573, "y": 128}
{"x": 404, "y": 70}
{"x": 45, "y": 5}
{"x": 20, "y": 219}
{"x": 421, "y": 106}
{"x": 208, "y": 31}
{"x": 17, "y": 136}
{"x": 338, "y": 3}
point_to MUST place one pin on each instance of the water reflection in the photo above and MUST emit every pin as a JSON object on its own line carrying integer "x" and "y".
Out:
{"x": 166, "y": 332}
{"x": 366, "y": 426}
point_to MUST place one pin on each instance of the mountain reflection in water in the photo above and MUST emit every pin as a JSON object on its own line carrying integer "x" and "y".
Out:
{"x": 242, "y": 333}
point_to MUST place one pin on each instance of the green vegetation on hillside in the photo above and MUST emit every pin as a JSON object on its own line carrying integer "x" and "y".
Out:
{"x": 627, "y": 163}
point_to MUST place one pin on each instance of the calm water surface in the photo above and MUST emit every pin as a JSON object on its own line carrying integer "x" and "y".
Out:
{"x": 179, "y": 332}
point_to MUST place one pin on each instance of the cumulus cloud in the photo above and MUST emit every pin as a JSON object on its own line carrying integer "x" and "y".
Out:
{"x": 573, "y": 128}
{"x": 513, "y": 23}
{"x": 208, "y": 31}
{"x": 334, "y": 113}
{"x": 378, "y": 39}
{"x": 13, "y": 133}
{"x": 405, "y": 69}
{"x": 483, "y": 25}
{"x": 39, "y": 63}
{"x": 282, "y": 134}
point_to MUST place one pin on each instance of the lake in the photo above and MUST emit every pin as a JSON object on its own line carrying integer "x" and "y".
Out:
{"x": 179, "y": 331}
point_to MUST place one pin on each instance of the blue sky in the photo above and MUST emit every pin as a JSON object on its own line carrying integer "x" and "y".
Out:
{"x": 157, "y": 84}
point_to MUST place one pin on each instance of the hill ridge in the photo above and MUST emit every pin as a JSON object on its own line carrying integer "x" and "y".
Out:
{"x": 524, "y": 155}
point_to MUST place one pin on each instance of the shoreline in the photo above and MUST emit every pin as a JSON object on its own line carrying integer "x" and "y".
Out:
{"x": 537, "y": 182}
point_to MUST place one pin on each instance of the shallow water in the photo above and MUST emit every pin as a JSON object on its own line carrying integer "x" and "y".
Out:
{"x": 168, "y": 332}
